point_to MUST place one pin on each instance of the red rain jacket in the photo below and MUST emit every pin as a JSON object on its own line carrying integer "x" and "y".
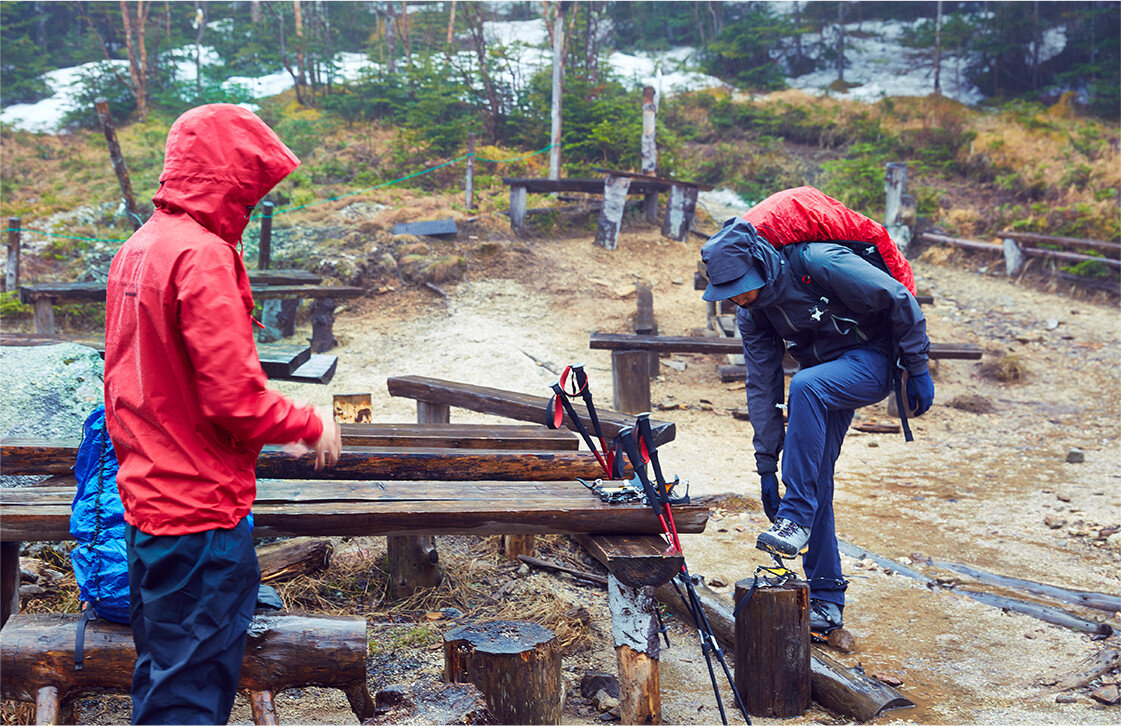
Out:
{"x": 186, "y": 400}
{"x": 804, "y": 214}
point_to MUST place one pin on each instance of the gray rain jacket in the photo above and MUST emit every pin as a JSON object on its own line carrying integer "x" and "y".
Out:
{"x": 848, "y": 303}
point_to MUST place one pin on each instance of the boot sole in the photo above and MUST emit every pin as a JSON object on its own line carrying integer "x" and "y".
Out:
{"x": 770, "y": 546}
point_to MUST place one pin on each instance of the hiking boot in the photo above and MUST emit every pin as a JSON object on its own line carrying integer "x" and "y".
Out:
{"x": 825, "y": 616}
{"x": 784, "y": 538}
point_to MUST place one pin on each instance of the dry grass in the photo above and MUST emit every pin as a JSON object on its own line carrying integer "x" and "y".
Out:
{"x": 1006, "y": 368}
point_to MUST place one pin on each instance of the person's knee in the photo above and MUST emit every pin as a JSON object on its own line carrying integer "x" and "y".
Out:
{"x": 804, "y": 387}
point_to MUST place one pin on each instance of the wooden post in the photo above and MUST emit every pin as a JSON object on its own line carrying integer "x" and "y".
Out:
{"x": 322, "y": 324}
{"x": 44, "y": 315}
{"x": 1013, "y": 257}
{"x": 11, "y": 270}
{"x": 264, "y": 246}
{"x": 516, "y": 665}
{"x": 644, "y": 323}
{"x": 630, "y": 381}
{"x": 9, "y": 580}
{"x": 46, "y": 706}
{"x": 414, "y": 562}
{"x": 469, "y": 180}
{"x": 650, "y": 148}
{"x": 517, "y": 544}
{"x": 279, "y": 319}
{"x": 773, "y": 649}
{"x": 558, "y": 92}
{"x": 611, "y": 217}
{"x": 263, "y": 708}
{"x": 680, "y": 209}
{"x": 517, "y": 208}
{"x": 118, "y": 159}
{"x": 895, "y": 184}
{"x": 634, "y": 627}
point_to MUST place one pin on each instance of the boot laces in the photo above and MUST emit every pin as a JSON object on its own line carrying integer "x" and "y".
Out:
{"x": 787, "y": 528}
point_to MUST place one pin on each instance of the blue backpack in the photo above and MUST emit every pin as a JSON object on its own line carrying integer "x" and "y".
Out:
{"x": 97, "y": 522}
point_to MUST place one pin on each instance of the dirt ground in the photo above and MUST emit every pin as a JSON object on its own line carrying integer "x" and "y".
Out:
{"x": 973, "y": 488}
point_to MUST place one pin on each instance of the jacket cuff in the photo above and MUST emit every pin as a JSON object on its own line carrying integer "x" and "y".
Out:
{"x": 765, "y": 464}
{"x": 313, "y": 429}
{"x": 917, "y": 366}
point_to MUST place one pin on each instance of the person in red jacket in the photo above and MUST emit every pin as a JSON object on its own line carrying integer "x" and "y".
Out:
{"x": 188, "y": 411}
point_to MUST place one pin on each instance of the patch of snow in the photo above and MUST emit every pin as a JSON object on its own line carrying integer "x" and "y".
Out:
{"x": 508, "y": 32}
{"x": 262, "y": 86}
{"x": 45, "y": 116}
{"x": 723, "y": 203}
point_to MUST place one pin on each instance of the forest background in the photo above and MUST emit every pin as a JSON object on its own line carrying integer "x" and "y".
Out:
{"x": 1036, "y": 149}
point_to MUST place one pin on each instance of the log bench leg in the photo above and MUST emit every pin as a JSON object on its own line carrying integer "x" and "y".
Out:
{"x": 9, "y": 580}
{"x": 414, "y": 562}
{"x": 322, "y": 325}
{"x": 681, "y": 206}
{"x": 634, "y": 628}
{"x": 517, "y": 208}
{"x": 279, "y": 319}
{"x": 517, "y": 544}
{"x": 44, "y": 315}
{"x": 630, "y": 380}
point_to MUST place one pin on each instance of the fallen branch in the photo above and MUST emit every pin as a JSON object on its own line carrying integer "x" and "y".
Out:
{"x": 554, "y": 567}
{"x": 1097, "y": 665}
{"x": 1096, "y": 600}
{"x": 436, "y": 289}
{"x": 1046, "y": 613}
{"x": 285, "y": 559}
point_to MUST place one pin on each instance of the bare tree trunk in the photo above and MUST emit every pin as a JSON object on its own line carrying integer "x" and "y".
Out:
{"x": 284, "y": 52}
{"x": 472, "y": 15}
{"x": 40, "y": 26}
{"x": 167, "y": 20}
{"x": 451, "y": 24}
{"x": 405, "y": 32}
{"x": 301, "y": 71}
{"x": 137, "y": 54}
{"x": 840, "y": 41}
{"x": 200, "y": 20}
{"x": 391, "y": 38}
{"x": 938, "y": 51}
{"x": 255, "y": 11}
{"x": 558, "y": 81}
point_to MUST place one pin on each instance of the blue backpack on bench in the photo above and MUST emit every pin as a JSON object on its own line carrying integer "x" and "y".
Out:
{"x": 97, "y": 522}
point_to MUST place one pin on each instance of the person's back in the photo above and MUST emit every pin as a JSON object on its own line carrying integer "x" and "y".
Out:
{"x": 188, "y": 410}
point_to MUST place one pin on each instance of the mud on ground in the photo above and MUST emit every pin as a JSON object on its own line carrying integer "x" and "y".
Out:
{"x": 973, "y": 488}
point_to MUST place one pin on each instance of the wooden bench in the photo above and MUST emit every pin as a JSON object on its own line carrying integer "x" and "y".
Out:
{"x": 435, "y": 397}
{"x": 283, "y": 651}
{"x": 630, "y": 370}
{"x": 267, "y": 285}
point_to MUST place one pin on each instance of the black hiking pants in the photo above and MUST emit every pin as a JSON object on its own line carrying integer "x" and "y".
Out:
{"x": 191, "y": 598}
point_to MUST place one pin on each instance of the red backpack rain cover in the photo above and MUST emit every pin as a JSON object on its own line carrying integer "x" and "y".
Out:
{"x": 804, "y": 214}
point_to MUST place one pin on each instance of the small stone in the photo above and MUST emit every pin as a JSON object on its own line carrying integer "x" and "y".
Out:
{"x": 873, "y": 445}
{"x": 678, "y": 282}
{"x": 1114, "y": 540}
{"x": 593, "y": 682}
{"x": 1063, "y": 497}
{"x": 1109, "y": 695}
{"x": 625, "y": 290}
{"x": 706, "y": 406}
{"x": 1052, "y": 324}
{"x": 1066, "y": 698}
{"x": 605, "y": 701}
{"x": 947, "y": 581}
{"x": 523, "y": 570}
{"x": 1029, "y": 636}
{"x": 452, "y": 613}
{"x": 677, "y": 365}
{"x": 888, "y": 678}
{"x": 1076, "y": 456}
{"x": 1053, "y": 521}
{"x": 716, "y": 581}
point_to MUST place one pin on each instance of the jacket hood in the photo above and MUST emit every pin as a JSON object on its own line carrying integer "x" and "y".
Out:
{"x": 737, "y": 246}
{"x": 220, "y": 161}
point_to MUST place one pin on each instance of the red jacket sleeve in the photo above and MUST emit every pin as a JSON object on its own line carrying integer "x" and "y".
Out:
{"x": 231, "y": 387}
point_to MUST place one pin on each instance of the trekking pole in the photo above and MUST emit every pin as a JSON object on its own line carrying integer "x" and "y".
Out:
{"x": 555, "y": 416}
{"x": 580, "y": 376}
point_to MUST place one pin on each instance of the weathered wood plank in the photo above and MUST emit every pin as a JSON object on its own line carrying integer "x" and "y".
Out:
{"x": 277, "y": 292}
{"x": 291, "y": 508}
{"x": 1111, "y": 249}
{"x": 280, "y": 361}
{"x": 518, "y": 406}
{"x": 460, "y": 436}
{"x": 319, "y": 368}
{"x": 25, "y": 456}
{"x": 95, "y": 291}
{"x": 574, "y": 184}
{"x": 720, "y": 345}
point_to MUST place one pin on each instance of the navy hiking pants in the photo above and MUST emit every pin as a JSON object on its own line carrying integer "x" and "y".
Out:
{"x": 191, "y": 599}
{"x": 822, "y": 401}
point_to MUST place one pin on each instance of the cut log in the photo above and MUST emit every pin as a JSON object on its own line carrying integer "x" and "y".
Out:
{"x": 9, "y": 580}
{"x": 283, "y": 651}
{"x": 773, "y": 648}
{"x": 636, "y": 561}
{"x": 518, "y": 406}
{"x": 835, "y": 686}
{"x": 286, "y": 559}
{"x": 634, "y": 630}
{"x": 516, "y": 665}
{"x": 1094, "y": 667}
{"x": 414, "y": 564}
{"x": 263, "y": 708}
{"x": 630, "y": 381}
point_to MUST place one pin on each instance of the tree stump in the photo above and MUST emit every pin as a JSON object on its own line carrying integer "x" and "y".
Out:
{"x": 773, "y": 649}
{"x": 634, "y": 628}
{"x": 516, "y": 665}
{"x": 517, "y": 544}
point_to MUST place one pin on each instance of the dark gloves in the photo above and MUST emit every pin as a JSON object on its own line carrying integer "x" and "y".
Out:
{"x": 768, "y": 493}
{"x": 920, "y": 393}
